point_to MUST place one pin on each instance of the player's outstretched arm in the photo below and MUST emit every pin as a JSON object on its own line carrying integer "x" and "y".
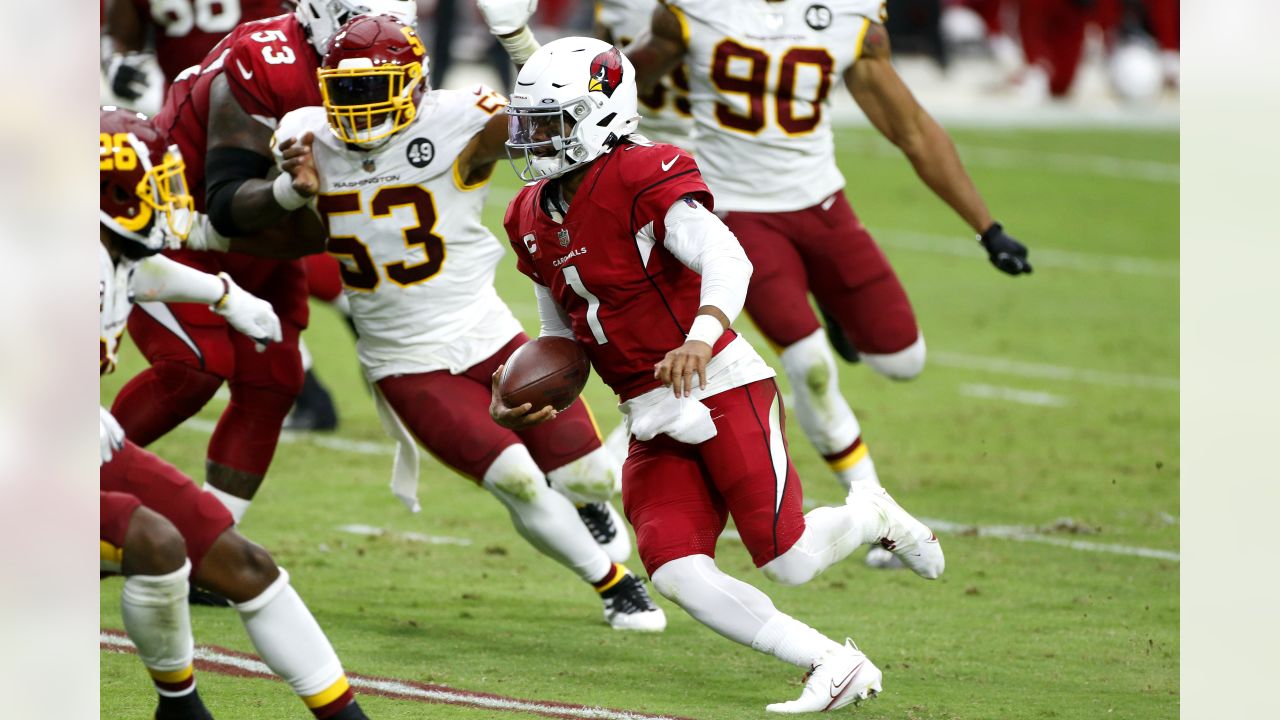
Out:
{"x": 894, "y": 111}
{"x": 658, "y": 50}
{"x": 508, "y": 20}
{"x": 239, "y": 198}
{"x": 160, "y": 279}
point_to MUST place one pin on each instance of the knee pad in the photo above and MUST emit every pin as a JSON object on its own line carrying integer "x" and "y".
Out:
{"x": 514, "y": 474}
{"x": 810, "y": 362}
{"x": 186, "y": 388}
{"x": 902, "y": 365}
{"x": 790, "y": 569}
{"x": 594, "y": 477}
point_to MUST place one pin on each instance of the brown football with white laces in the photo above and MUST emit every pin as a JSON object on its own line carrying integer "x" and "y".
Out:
{"x": 546, "y": 371}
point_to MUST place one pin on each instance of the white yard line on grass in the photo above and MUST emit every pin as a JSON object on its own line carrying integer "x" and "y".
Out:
{"x": 1045, "y": 371}
{"x": 1014, "y": 395}
{"x": 962, "y": 246}
{"x": 210, "y": 658}
{"x": 371, "y": 531}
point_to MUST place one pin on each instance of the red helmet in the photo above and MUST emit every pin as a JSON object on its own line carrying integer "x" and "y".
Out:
{"x": 373, "y": 78}
{"x": 144, "y": 190}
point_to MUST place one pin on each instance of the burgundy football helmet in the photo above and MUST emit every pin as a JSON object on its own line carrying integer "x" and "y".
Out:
{"x": 373, "y": 78}
{"x": 144, "y": 195}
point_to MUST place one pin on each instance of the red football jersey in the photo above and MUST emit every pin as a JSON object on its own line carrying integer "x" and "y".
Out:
{"x": 629, "y": 301}
{"x": 185, "y": 30}
{"x": 270, "y": 68}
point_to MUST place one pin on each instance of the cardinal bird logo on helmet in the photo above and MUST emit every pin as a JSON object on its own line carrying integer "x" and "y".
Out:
{"x": 606, "y": 72}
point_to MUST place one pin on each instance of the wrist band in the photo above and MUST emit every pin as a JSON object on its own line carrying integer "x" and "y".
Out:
{"x": 520, "y": 46}
{"x": 285, "y": 195}
{"x": 226, "y": 291}
{"x": 707, "y": 329}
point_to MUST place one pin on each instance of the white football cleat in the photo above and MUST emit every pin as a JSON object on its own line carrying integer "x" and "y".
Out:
{"x": 838, "y": 678}
{"x": 627, "y": 606}
{"x": 906, "y": 537}
{"x": 881, "y": 559}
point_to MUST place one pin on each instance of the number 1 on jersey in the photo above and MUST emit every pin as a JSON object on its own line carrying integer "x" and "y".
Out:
{"x": 574, "y": 280}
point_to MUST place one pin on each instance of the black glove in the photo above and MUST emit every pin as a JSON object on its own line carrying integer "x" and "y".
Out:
{"x": 1008, "y": 255}
{"x": 127, "y": 80}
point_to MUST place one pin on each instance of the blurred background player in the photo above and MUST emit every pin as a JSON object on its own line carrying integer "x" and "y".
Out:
{"x": 760, "y": 80}
{"x": 222, "y": 115}
{"x": 144, "y": 207}
{"x": 400, "y": 172}
{"x": 650, "y": 295}
{"x": 177, "y": 34}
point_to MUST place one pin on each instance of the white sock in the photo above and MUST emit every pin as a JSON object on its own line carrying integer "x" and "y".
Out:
{"x": 860, "y": 473}
{"x": 307, "y": 361}
{"x": 830, "y": 534}
{"x": 158, "y": 621}
{"x": 542, "y": 516}
{"x": 235, "y": 505}
{"x": 737, "y": 610}
{"x": 823, "y": 413}
{"x": 291, "y": 643}
{"x": 792, "y": 641}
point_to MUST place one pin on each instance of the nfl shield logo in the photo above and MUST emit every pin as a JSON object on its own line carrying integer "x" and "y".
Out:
{"x": 564, "y": 237}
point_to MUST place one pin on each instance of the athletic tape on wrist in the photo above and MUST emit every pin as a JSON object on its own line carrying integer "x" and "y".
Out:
{"x": 520, "y": 46}
{"x": 707, "y": 329}
{"x": 285, "y": 195}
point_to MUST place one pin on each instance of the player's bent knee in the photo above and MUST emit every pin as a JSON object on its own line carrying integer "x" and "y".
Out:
{"x": 594, "y": 477}
{"x": 237, "y": 568}
{"x": 674, "y": 577}
{"x": 152, "y": 545}
{"x": 791, "y": 570}
{"x": 905, "y": 364}
{"x": 515, "y": 475}
{"x": 810, "y": 362}
{"x": 187, "y": 389}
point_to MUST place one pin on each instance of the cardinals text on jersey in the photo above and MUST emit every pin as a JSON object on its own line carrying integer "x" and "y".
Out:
{"x": 760, "y": 74}
{"x": 417, "y": 264}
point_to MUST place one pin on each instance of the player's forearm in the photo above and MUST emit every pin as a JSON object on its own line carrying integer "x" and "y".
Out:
{"x": 705, "y": 245}
{"x": 256, "y": 204}
{"x": 159, "y": 279}
{"x": 551, "y": 316}
{"x": 936, "y": 161}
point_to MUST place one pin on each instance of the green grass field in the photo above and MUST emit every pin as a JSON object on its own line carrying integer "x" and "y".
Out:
{"x": 1050, "y": 403}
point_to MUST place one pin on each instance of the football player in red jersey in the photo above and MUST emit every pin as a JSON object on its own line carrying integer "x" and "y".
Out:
{"x": 627, "y": 259}
{"x": 183, "y": 32}
{"x": 222, "y": 114}
{"x": 145, "y": 207}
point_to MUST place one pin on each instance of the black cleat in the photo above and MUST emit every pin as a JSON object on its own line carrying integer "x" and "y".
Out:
{"x": 314, "y": 408}
{"x": 187, "y": 707}
{"x": 602, "y": 521}
{"x": 835, "y": 335}
{"x": 627, "y": 606}
{"x": 207, "y": 598}
{"x": 350, "y": 712}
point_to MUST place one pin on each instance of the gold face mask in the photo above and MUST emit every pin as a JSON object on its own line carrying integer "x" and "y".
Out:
{"x": 164, "y": 190}
{"x": 367, "y": 104}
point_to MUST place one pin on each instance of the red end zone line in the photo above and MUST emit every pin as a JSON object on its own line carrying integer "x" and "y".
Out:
{"x": 210, "y": 658}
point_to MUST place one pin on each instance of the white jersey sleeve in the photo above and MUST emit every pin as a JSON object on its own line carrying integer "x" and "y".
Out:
{"x": 760, "y": 79}
{"x": 114, "y": 304}
{"x": 417, "y": 263}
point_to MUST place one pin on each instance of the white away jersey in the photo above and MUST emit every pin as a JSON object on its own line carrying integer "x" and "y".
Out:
{"x": 665, "y": 113}
{"x": 417, "y": 264}
{"x": 760, "y": 74}
{"x": 114, "y": 304}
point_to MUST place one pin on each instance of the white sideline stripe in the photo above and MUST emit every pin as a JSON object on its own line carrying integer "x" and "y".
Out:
{"x": 400, "y": 688}
{"x": 1023, "y": 397}
{"x": 1030, "y": 534}
{"x": 372, "y": 531}
{"x": 959, "y": 245}
{"x": 1045, "y": 371}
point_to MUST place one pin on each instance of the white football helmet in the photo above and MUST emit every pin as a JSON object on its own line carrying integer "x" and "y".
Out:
{"x": 573, "y": 101}
{"x": 322, "y": 18}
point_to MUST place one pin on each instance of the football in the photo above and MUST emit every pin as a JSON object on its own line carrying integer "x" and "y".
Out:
{"x": 546, "y": 371}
